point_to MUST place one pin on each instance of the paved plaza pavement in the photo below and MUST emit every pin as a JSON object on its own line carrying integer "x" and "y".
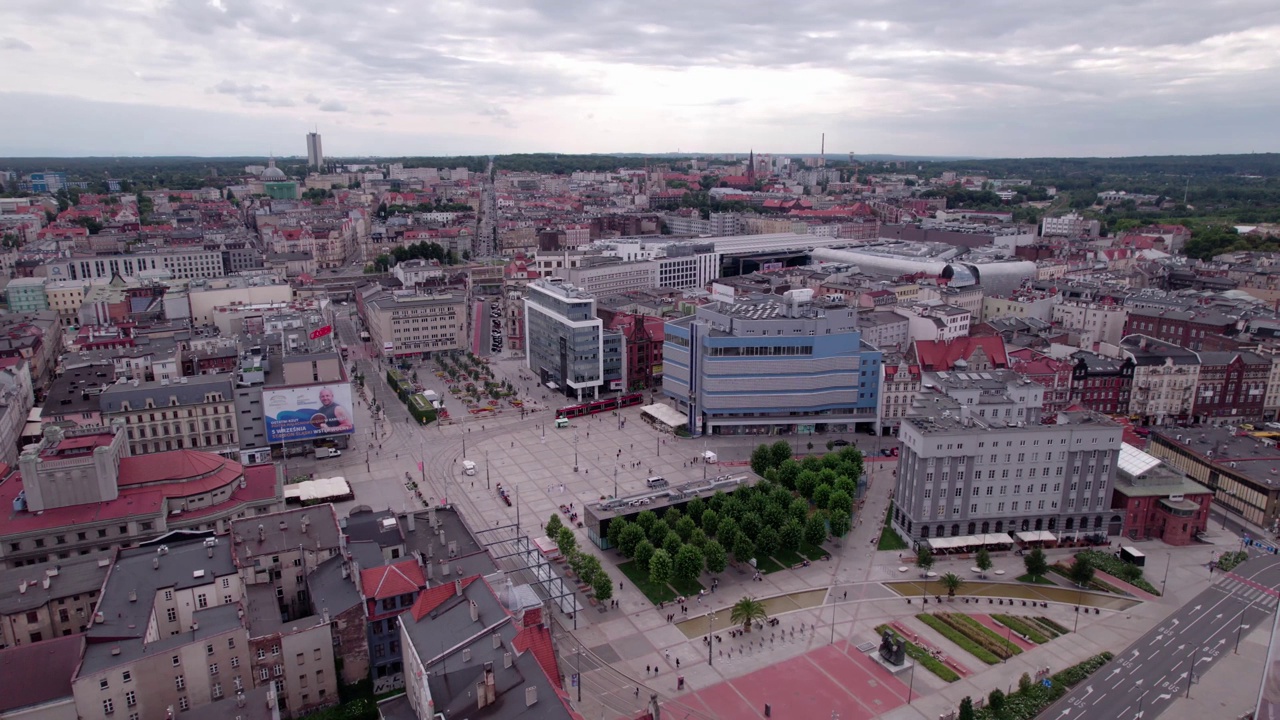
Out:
{"x": 535, "y": 463}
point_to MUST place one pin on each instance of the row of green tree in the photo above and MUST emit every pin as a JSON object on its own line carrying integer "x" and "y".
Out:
{"x": 753, "y": 522}
{"x": 585, "y": 565}
{"x": 417, "y": 251}
{"x": 384, "y": 210}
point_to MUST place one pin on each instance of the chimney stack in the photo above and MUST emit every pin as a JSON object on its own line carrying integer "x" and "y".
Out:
{"x": 475, "y": 611}
{"x": 457, "y": 588}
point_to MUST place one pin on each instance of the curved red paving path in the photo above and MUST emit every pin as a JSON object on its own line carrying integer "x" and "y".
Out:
{"x": 836, "y": 677}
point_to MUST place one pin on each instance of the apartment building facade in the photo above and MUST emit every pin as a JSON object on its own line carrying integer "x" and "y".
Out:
{"x": 1165, "y": 377}
{"x": 162, "y": 415}
{"x": 407, "y": 323}
{"x": 963, "y": 472}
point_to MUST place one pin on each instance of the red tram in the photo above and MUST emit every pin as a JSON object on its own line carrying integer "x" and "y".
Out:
{"x": 599, "y": 406}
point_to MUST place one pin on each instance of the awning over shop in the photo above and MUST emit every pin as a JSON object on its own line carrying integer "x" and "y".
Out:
{"x": 1036, "y": 536}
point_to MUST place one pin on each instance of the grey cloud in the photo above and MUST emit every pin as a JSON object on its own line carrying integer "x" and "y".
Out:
{"x": 379, "y": 113}
{"x": 332, "y": 106}
{"x": 498, "y": 115}
{"x": 311, "y": 99}
{"x": 252, "y": 94}
{"x": 8, "y": 43}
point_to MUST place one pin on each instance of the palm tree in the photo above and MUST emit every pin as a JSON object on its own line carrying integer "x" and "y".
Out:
{"x": 952, "y": 583}
{"x": 746, "y": 611}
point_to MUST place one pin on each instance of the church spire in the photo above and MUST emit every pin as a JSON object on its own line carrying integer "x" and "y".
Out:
{"x": 751, "y": 167}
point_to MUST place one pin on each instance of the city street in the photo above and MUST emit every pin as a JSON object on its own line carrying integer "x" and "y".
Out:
{"x": 535, "y": 463}
{"x": 1149, "y": 675}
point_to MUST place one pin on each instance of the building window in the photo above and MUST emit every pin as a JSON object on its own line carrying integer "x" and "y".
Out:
{"x": 103, "y": 684}
{"x": 131, "y": 699}
{"x": 126, "y": 676}
{"x": 108, "y": 706}
{"x": 179, "y": 682}
{"x": 171, "y": 614}
{"x": 213, "y": 668}
{"x": 183, "y": 705}
{"x": 264, "y": 673}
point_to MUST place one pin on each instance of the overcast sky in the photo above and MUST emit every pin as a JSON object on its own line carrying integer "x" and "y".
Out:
{"x": 994, "y": 78}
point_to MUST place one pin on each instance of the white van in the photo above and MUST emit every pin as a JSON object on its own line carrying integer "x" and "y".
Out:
{"x": 468, "y": 467}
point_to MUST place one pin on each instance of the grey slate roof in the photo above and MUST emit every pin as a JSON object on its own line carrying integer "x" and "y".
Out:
{"x": 191, "y": 392}
{"x": 124, "y": 623}
{"x": 331, "y": 591}
{"x": 77, "y": 575}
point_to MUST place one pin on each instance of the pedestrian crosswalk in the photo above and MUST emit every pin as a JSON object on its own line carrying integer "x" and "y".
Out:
{"x": 1260, "y": 595}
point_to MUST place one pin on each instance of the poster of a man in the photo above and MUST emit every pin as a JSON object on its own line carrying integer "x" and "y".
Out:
{"x": 306, "y": 413}
{"x": 335, "y": 417}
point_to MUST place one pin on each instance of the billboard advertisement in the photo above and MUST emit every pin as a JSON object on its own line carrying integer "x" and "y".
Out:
{"x": 307, "y": 412}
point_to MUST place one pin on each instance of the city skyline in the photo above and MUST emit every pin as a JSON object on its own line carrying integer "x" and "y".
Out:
{"x": 229, "y": 77}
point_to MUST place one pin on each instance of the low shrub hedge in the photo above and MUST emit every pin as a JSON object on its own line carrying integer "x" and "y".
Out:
{"x": 1230, "y": 560}
{"x": 1049, "y": 623}
{"x": 1026, "y": 703}
{"x": 1026, "y": 630}
{"x": 959, "y": 638}
{"x": 1112, "y": 565}
{"x": 922, "y": 656}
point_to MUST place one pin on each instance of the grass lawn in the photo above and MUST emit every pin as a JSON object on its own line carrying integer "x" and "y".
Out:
{"x": 813, "y": 552}
{"x": 655, "y": 593}
{"x": 889, "y": 540}
{"x": 768, "y": 565}
{"x": 688, "y": 589}
{"x": 1035, "y": 579}
{"x": 788, "y": 558}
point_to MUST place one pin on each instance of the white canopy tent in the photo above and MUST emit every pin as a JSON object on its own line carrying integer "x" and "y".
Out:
{"x": 1036, "y": 536}
{"x": 958, "y": 541}
{"x": 664, "y": 415}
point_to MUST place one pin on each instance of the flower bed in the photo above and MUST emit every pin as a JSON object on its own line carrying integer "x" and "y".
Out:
{"x": 982, "y": 635}
{"x": 959, "y": 638}
{"x": 1026, "y": 630}
{"x": 922, "y": 656}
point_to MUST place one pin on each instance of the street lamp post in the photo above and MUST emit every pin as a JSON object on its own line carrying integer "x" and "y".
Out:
{"x": 487, "y": 484}
{"x": 575, "y": 450}
{"x": 578, "y": 652}
{"x": 711, "y": 639}
{"x": 1240, "y": 628}
{"x": 1168, "y": 561}
{"x": 911, "y": 684}
{"x": 1079, "y": 599}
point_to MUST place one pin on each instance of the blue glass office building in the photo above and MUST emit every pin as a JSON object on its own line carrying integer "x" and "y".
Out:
{"x": 771, "y": 365}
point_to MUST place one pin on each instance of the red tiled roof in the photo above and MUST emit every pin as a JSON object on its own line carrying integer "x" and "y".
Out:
{"x": 432, "y": 598}
{"x": 538, "y": 639}
{"x": 935, "y": 355}
{"x": 138, "y": 500}
{"x": 176, "y": 466}
{"x": 391, "y": 580}
{"x": 40, "y": 672}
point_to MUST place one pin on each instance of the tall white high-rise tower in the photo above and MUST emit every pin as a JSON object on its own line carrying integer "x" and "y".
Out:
{"x": 315, "y": 156}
